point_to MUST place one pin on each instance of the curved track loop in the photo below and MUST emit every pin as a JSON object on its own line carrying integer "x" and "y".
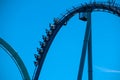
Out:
{"x": 59, "y": 22}
{"x": 16, "y": 58}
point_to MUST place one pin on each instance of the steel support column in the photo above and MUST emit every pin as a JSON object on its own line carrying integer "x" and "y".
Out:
{"x": 90, "y": 51}
{"x": 84, "y": 49}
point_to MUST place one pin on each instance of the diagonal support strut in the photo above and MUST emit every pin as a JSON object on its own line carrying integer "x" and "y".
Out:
{"x": 87, "y": 43}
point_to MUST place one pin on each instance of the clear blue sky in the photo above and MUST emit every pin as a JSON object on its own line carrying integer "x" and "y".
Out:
{"x": 23, "y": 22}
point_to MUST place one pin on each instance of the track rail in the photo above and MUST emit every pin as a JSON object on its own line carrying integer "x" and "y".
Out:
{"x": 13, "y": 54}
{"x": 109, "y": 7}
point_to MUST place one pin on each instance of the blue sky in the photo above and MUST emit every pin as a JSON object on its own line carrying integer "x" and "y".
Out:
{"x": 22, "y": 23}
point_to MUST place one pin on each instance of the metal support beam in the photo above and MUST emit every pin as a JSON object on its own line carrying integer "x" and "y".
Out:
{"x": 84, "y": 49}
{"x": 90, "y": 51}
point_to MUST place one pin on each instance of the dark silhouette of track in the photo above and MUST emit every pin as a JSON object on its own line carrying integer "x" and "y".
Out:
{"x": 109, "y": 7}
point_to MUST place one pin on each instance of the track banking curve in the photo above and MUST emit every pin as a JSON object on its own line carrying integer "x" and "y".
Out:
{"x": 110, "y": 7}
{"x": 13, "y": 54}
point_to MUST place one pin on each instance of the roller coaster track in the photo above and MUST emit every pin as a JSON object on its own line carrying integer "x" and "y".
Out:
{"x": 109, "y": 7}
{"x": 13, "y": 54}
